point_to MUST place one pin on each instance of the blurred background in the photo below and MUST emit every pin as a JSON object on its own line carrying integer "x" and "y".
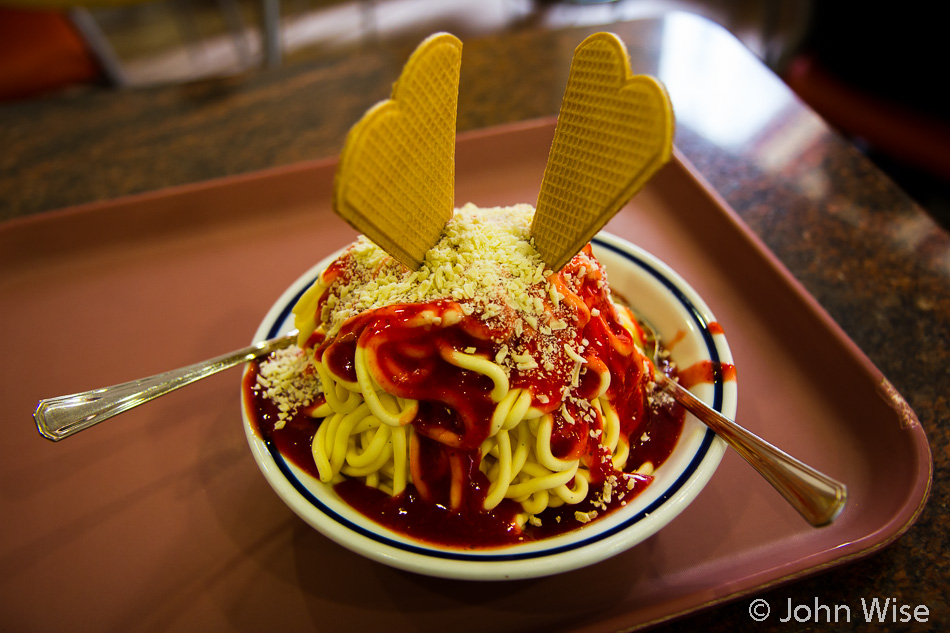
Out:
{"x": 873, "y": 75}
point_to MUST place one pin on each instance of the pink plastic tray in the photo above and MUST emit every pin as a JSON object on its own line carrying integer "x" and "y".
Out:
{"x": 160, "y": 519}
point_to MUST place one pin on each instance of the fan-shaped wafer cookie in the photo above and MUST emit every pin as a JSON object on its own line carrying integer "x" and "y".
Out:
{"x": 613, "y": 132}
{"x": 396, "y": 179}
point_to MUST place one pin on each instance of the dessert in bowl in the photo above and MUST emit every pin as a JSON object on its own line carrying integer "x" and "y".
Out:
{"x": 484, "y": 417}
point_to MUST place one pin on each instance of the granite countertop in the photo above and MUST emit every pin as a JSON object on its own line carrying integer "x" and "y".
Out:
{"x": 873, "y": 259}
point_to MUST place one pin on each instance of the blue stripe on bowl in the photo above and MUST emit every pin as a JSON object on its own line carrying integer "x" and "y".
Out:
{"x": 701, "y": 322}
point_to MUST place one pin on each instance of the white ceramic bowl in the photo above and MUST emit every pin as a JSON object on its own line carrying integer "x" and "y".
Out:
{"x": 661, "y": 297}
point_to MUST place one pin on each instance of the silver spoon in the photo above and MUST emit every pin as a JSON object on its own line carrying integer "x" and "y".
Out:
{"x": 816, "y": 496}
{"x": 63, "y": 416}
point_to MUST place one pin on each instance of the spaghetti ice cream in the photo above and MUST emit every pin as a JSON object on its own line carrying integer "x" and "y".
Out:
{"x": 479, "y": 400}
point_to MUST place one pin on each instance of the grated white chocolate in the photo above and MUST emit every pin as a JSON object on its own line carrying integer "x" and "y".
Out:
{"x": 485, "y": 258}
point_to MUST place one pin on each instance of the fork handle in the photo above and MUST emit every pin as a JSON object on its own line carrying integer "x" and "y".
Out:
{"x": 62, "y": 416}
{"x": 816, "y": 496}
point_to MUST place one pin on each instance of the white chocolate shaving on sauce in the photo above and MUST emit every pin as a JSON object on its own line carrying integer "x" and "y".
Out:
{"x": 484, "y": 259}
{"x": 487, "y": 264}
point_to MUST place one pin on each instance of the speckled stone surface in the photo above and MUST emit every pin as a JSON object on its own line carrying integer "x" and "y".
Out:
{"x": 873, "y": 259}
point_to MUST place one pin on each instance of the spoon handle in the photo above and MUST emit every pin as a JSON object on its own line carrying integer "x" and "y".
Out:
{"x": 816, "y": 496}
{"x": 63, "y": 416}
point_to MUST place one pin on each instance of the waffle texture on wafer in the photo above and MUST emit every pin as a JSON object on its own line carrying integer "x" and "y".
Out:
{"x": 396, "y": 179}
{"x": 614, "y": 130}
